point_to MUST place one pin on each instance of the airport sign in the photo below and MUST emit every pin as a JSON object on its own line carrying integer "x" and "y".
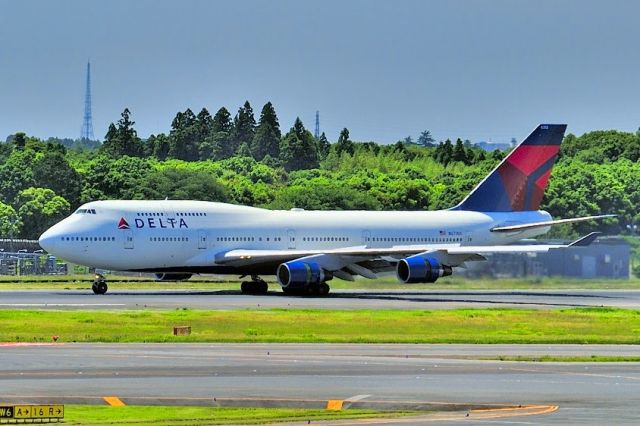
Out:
{"x": 32, "y": 412}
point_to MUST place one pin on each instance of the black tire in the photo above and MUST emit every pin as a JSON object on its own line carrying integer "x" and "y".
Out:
{"x": 291, "y": 291}
{"x": 262, "y": 287}
{"x": 99, "y": 287}
{"x": 245, "y": 287}
{"x": 323, "y": 289}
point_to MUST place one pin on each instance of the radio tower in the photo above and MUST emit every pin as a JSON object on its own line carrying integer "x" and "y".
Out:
{"x": 87, "y": 122}
{"x": 317, "y": 132}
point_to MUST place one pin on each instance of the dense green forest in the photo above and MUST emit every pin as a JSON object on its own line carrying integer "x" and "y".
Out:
{"x": 237, "y": 159}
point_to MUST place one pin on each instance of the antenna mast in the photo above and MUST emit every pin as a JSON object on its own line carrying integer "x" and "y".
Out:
{"x": 87, "y": 122}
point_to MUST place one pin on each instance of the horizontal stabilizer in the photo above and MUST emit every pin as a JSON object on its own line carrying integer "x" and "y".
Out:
{"x": 524, "y": 226}
{"x": 586, "y": 240}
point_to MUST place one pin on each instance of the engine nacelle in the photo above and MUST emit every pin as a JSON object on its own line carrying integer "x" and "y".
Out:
{"x": 299, "y": 274}
{"x": 418, "y": 269}
{"x": 168, "y": 276}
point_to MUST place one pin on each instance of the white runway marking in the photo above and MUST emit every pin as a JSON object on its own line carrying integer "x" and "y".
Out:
{"x": 357, "y": 398}
{"x": 58, "y": 304}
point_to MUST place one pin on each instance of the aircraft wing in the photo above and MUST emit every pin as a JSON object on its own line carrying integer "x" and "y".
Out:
{"x": 364, "y": 261}
{"x": 522, "y": 227}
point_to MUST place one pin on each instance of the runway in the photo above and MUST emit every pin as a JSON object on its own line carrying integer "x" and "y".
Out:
{"x": 586, "y": 393}
{"x": 340, "y": 299}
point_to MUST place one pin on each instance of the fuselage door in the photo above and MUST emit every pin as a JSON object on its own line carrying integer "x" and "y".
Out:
{"x": 128, "y": 239}
{"x": 202, "y": 240}
{"x": 291, "y": 237}
{"x": 366, "y": 238}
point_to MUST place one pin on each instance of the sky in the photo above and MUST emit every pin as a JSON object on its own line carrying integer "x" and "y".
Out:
{"x": 479, "y": 70}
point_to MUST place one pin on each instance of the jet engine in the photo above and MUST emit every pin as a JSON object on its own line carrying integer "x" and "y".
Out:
{"x": 418, "y": 269}
{"x": 167, "y": 276}
{"x": 299, "y": 274}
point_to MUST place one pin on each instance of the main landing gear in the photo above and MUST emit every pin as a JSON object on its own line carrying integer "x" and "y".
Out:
{"x": 99, "y": 284}
{"x": 256, "y": 286}
{"x": 318, "y": 290}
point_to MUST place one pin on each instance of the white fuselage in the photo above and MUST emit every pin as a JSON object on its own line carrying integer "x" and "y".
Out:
{"x": 186, "y": 235}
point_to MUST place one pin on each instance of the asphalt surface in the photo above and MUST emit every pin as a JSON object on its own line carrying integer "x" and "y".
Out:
{"x": 586, "y": 393}
{"x": 340, "y": 299}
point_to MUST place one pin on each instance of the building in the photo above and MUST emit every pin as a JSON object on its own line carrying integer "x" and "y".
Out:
{"x": 605, "y": 258}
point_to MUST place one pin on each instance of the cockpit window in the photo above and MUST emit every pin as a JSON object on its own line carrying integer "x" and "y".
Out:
{"x": 86, "y": 211}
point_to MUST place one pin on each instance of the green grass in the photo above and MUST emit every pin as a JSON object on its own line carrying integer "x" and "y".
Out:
{"x": 563, "y": 358}
{"x": 578, "y": 325}
{"x": 83, "y": 282}
{"x": 139, "y": 415}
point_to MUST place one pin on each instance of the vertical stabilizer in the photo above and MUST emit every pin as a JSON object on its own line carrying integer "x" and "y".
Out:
{"x": 519, "y": 181}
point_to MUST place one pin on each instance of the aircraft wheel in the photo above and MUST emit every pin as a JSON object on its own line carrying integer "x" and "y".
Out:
{"x": 323, "y": 289}
{"x": 254, "y": 287}
{"x": 99, "y": 287}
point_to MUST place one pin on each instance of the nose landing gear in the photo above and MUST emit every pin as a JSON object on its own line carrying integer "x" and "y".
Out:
{"x": 99, "y": 284}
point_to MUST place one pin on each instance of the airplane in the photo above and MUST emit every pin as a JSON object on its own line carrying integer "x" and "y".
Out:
{"x": 175, "y": 239}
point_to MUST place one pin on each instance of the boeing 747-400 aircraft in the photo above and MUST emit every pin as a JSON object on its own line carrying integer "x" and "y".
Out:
{"x": 305, "y": 249}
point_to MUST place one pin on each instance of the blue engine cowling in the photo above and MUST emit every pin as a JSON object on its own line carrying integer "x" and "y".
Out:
{"x": 418, "y": 269}
{"x": 299, "y": 274}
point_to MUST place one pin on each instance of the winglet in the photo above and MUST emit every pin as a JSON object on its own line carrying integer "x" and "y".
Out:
{"x": 586, "y": 240}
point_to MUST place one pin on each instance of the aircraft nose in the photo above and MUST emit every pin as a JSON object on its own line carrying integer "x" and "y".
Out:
{"x": 49, "y": 239}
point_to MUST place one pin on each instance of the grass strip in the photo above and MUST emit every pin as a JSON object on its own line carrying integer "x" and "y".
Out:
{"x": 116, "y": 282}
{"x": 576, "y": 325}
{"x": 562, "y": 358}
{"x": 140, "y": 415}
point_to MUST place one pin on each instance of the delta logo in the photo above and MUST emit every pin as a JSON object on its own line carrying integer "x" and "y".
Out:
{"x": 154, "y": 222}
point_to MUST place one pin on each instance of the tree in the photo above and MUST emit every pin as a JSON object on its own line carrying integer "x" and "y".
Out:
{"x": 54, "y": 172}
{"x": 459, "y": 153}
{"x": 39, "y": 209}
{"x": 122, "y": 139}
{"x": 444, "y": 152}
{"x": 122, "y": 178}
{"x": 408, "y": 140}
{"x": 344, "y": 144}
{"x": 425, "y": 139}
{"x": 217, "y": 147}
{"x": 267, "y": 138}
{"x": 20, "y": 140}
{"x": 219, "y": 144}
{"x": 182, "y": 184}
{"x": 16, "y": 174}
{"x": 159, "y": 146}
{"x": 222, "y": 121}
{"x": 298, "y": 149}
{"x": 184, "y": 135}
{"x": 204, "y": 121}
{"x": 244, "y": 151}
{"x": 244, "y": 126}
{"x": 323, "y": 146}
{"x": 321, "y": 194}
{"x": 497, "y": 155}
{"x": 10, "y": 223}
